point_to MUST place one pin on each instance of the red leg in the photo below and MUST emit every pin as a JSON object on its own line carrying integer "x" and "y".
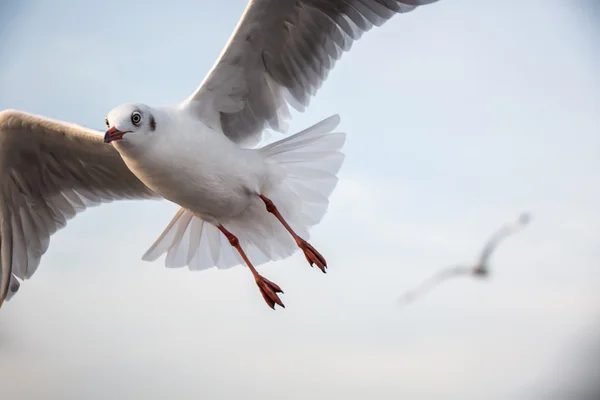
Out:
{"x": 311, "y": 254}
{"x": 267, "y": 288}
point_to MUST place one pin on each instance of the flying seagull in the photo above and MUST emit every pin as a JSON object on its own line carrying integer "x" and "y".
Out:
{"x": 480, "y": 269}
{"x": 239, "y": 204}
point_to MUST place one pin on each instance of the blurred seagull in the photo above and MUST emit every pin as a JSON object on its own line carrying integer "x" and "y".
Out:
{"x": 479, "y": 270}
{"x": 239, "y": 205}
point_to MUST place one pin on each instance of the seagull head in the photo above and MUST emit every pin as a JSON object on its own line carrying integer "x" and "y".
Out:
{"x": 129, "y": 121}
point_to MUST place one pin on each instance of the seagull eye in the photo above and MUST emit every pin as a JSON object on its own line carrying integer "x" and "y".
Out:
{"x": 136, "y": 118}
{"x": 106, "y": 122}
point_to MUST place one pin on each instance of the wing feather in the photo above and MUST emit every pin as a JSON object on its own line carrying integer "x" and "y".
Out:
{"x": 279, "y": 54}
{"x": 49, "y": 172}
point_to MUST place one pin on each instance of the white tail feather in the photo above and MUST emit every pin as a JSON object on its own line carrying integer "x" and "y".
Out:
{"x": 307, "y": 163}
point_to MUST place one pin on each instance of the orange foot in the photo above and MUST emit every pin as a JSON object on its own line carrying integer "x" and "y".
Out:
{"x": 269, "y": 291}
{"x": 312, "y": 255}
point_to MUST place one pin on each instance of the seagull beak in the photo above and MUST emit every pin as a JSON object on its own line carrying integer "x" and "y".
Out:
{"x": 113, "y": 134}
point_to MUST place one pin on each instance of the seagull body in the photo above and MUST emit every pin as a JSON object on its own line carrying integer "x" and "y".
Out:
{"x": 239, "y": 205}
{"x": 191, "y": 164}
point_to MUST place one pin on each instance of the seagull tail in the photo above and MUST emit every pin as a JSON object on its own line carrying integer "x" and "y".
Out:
{"x": 304, "y": 171}
{"x": 190, "y": 241}
{"x": 309, "y": 162}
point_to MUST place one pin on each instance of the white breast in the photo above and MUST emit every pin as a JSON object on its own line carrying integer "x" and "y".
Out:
{"x": 198, "y": 168}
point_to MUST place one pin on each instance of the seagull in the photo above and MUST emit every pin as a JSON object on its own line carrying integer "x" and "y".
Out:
{"x": 478, "y": 270}
{"x": 239, "y": 204}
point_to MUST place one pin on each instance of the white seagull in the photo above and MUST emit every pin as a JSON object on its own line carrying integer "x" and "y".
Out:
{"x": 480, "y": 269}
{"x": 239, "y": 205}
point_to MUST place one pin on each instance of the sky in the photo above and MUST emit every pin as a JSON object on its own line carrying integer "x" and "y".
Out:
{"x": 460, "y": 115}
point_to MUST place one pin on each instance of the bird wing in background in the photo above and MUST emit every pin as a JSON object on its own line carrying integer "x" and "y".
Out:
{"x": 451, "y": 272}
{"x": 500, "y": 235}
{"x": 437, "y": 278}
{"x": 49, "y": 172}
{"x": 280, "y": 53}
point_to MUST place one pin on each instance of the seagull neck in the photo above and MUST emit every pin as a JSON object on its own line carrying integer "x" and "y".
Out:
{"x": 126, "y": 147}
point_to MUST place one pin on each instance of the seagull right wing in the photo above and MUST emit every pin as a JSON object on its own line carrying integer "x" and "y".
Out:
{"x": 501, "y": 234}
{"x": 279, "y": 54}
{"x": 50, "y": 171}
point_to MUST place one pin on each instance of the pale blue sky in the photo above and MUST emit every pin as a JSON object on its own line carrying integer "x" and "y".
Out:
{"x": 459, "y": 116}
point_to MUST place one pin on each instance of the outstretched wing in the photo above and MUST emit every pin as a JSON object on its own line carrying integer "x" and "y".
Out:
{"x": 50, "y": 171}
{"x": 500, "y": 235}
{"x": 281, "y": 52}
{"x": 437, "y": 278}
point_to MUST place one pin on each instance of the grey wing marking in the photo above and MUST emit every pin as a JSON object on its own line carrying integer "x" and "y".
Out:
{"x": 280, "y": 54}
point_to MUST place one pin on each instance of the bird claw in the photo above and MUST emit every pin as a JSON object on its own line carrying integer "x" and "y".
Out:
{"x": 313, "y": 256}
{"x": 269, "y": 291}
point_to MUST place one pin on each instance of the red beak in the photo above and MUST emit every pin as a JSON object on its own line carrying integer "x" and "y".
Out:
{"x": 113, "y": 134}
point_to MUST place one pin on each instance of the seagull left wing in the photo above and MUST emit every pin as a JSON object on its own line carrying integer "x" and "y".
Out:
{"x": 437, "y": 278}
{"x": 50, "y": 171}
{"x": 280, "y": 53}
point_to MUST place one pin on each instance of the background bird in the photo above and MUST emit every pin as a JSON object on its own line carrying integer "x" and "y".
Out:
{"x": 481, "y": 268}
